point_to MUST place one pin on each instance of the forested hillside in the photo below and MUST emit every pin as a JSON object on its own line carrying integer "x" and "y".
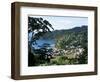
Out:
{"x": 56, "y": 47}
{"x": 59, "y": 33}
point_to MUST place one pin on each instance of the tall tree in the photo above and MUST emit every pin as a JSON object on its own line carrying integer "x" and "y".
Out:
{"x": 37, "y": 27}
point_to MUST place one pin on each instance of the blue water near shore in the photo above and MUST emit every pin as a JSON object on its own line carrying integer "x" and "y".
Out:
{"x": 41, "y": 42}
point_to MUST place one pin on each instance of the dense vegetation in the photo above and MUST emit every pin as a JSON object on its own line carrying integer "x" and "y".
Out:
{"x": 70, "y": 44}
{"x": 37, "y": 27}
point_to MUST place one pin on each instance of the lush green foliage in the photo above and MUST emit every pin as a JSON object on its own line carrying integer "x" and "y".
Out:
{"x": 70, "y": 45}
{"x": 74, "y": 40}
{"x": 38, "y": 27}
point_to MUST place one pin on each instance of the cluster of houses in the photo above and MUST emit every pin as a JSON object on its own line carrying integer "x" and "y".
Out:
{"x": 71, "y": 52}
{"x": 75, "y": 52}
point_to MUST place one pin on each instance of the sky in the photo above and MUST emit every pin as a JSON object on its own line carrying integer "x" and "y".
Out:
{"x": 64, "y": 22}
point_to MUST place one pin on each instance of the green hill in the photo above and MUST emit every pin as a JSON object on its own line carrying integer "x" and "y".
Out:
{"x": 60, "y": 33}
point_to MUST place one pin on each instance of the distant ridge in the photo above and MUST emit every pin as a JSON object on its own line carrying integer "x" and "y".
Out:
{"x": 62, "y": 32}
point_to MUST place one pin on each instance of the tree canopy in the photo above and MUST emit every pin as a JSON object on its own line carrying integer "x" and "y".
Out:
{"x": 37, "y": 27}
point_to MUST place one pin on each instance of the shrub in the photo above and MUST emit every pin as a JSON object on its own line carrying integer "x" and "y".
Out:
{"x": 60, "y": 60}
